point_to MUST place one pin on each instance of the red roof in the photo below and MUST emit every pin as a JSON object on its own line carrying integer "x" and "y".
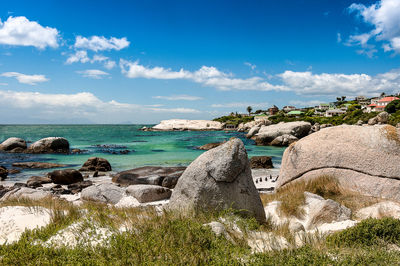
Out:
{"x": 388, "y": 99}
{"x": 372, "y": 105}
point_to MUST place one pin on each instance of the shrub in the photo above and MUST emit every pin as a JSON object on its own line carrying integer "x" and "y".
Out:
{"x": 367, "y": 233}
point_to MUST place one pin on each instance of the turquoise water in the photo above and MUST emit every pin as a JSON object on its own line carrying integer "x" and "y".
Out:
{"x": 145, "y": 148}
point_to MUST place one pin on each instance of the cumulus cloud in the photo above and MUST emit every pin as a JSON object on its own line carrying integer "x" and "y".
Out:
{"x": 23, "y": 32}
{"x": 84, "y": 107}
{"x": 25, "y": 79}
{"x": 100, "y": 43}
{"x": 78, "y": 56}
{"x": 179, "y": 98}
{"x": 207, "y": 76}
{"x": 93, "y": 73}
{"x": 384, "y": 17}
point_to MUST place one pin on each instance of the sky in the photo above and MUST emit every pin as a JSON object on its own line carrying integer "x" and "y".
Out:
{"x": 145, "y": 61}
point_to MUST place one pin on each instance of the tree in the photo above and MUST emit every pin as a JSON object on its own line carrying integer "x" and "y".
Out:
{"x": 343, "y": 98}
{"x": 383, "y": 94}
{"x": 338, "y": 99}
{"x": 393, "y": 106}
{"x": 249, "y": 109}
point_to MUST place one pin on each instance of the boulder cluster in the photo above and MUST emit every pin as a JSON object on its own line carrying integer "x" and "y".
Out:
{"x": 46, "y": 145}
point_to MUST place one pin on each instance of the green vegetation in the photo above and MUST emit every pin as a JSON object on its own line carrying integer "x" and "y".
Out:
{"x": 393, "y": 107}
{"x": 234, "y": 119}
{"x": 167, "y": 238}
{"x": 369, "y": 232}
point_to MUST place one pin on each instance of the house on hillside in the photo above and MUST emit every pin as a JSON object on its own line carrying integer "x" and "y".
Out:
{"x": 334, "y": 112}
{"x": 380, "y": 104}
{"x": 273, "y": 110}
{"x": 360, "y": 98}
{"x": 287, "y": 108}
{"x": 295, "y": 113}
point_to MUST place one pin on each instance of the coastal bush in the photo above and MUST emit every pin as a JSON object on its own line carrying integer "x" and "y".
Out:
{"x": 234, "y": 120}
{"x": 368, "y": 232}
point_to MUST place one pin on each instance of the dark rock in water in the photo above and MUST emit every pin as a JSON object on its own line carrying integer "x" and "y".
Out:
{"x": 124, "y": 151}
{"x": 37, "y": 181}
{"x": 14, "y": 171}
{"x": 110, "y": 146}
{"x": 49, "y": 145}
{"x": 3, "y": 173}
{"x": 156, "y": 150}
{"x": 13, "y": 144}
{"x": 261, "y": 162}
{"x": 96, "y": 164}
{"x": 210, "y": 146}
{"x": 153, "y": 175}
{"x": 217, "y": 180}
{"x": 139, "y": 141}
{"x": 77, "y": 187}
{"x": 65, "y": 177}
{"x": 38, "y": 165}
{"x": 78, "y": 151}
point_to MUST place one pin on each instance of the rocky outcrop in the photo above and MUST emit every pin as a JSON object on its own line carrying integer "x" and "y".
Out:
{"x": 38, "y": 165}
{"x": 3, "y": 172}
{"x": 150, "y": 175}
{"x": 104, "y": 193}
{"x": 37, "y": 181}
{"x": 267, "y": 134}
{"x": 364, "y": 159}
{"x": 210, "y": 146}
{"x": 79, "y": 186}
{"x": 254, "y": 130}
{"x": 381, "y": 118}
{"x": 256, "y": 123}
{"x": 182, "y": 124}
{"x": 148, "y": 193}
{"x": 283, "y": 140}
{"x": 65, "y": 177}
{"x": 219, "y": 179}
{"x": 13, "y": 145}
{"x": 26, "y": 193}
{"x": 379, "y": 210}
{"x": 49, "y": 145}
{"x": 261, "y": 162}
{"x": 96, "y": 164}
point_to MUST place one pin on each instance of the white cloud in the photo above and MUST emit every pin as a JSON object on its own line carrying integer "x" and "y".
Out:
{"x": 21, "y": 31}
{"x": 338, "y": 37}
{"x": 384, "y": 17}
{"x": 241, "y": 105}
{"x": 179, "y": 98}
{"x": 134, "y": 70}
{"x": 252, "y": 66}
{"x": 109, "y": 64}
{"x": 100, "y": 43}
{"x": 25, "y": 107}
{"x": 26, "y": 79}
{"x": 93, "y": 73}
{"x": 79, "y": 56}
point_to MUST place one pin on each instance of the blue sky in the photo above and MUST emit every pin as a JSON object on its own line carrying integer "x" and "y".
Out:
{"x": 144, "y": 61}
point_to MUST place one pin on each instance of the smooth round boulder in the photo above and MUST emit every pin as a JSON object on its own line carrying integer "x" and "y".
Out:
{"x": 96, "y": 164}
{"x": 364, "y": 159}
{"x": 267, "y": 134}
{"x": 104, "y": 193}
{"x": 217, "y": 180}
{"x": 148, "y": 193}
{"x": 65, "y": 177}
{"x": 257, "y": 162}
{"x": 49, "y": 145}
{"x": 13, "y": 143}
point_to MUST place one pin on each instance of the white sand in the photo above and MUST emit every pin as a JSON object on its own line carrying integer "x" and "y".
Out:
{"x": 14, "y": 220}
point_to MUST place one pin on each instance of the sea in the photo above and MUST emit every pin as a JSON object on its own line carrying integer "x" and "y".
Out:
{"x": 124, "y": 146}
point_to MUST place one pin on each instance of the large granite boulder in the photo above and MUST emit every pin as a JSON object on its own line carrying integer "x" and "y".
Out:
{"x": 26, "y": 193}
{"x": 148, "y": 193}
{"x": 364, "y": 159}
{"x": 261, "y": 162}
{"x": 182, "y": 124}
{"x": 104, "y": 193}
{"x": 11, "y": 144}
{"x": 254, "y": 130}
{"x": 151, "y": 175}
{"x": 267, "y": 134}
{"x": 381, "y": 118}
{"x": 49, "y": 145}
{"x": 96, "y": 164}
{"x": 65, "y": 177}
{"x": 219, "y": 179}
